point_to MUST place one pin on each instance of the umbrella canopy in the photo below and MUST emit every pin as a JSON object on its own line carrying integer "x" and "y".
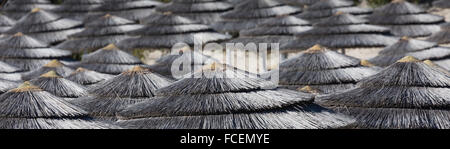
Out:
{"x": 442, "y": 3}
{"x": 409, "y": 94}
{"x": 324, "y": 70}
{"x": 53, "y": 65}
{"x": 58, "y": 86}
{"x": 299, "y": 3}
{"x": 99, "y": 33}
{"x": 110, "y": 96}
{"x": 19, "y": 8}
{"x": 87, "y": 77}
{"x": 6, "y": 23}
{"x": 419, "y": 49}
{"x": 77, "y": 9}
{"x": 163, "y": 31}
{"x": 130, "y": 9}
{"x": 326, "y": 8}
{"x": 341, "y": 30}
{"x": 6, "y": 85}
{"x": 443, "y": 36}
{"x": 9, "y": 72}
{"x": 28, "y": 53}
{"x": 222, "y": 98}
{"x": 406, "y": 19}
{"x": 46, "y": 26}
{"x": 248, "y": 14}
{"x": 203, "y": 11}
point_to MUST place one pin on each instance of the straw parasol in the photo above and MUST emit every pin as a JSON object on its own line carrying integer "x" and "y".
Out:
{"x": 54, "y": 65}
{"x": 77, "y": 9}
{"x": 130, "y": 9}
{"x": 5, "y": 23}
{"x": 87, "y": 77}
{"x": 99, "y": 33}
{"x": 110, "y": 96}
{"x": 432, "y": 64}
{"x": 6, "y": 85}
{"x": 203, "y": 11}
{"x": 18, "y": 8}
{"x": 58, "y": 86}
{"x": 406, "y": 19}
{"x": 45, "y": 26}
{"x": 27, "y": 53}
{"x": 443, "y": 36}
{"x": 419, "y": 49}
{"x": 249, "y": 13}
{"x": 299, "y": 3}
{"x": 409, "y": 94}
{"x": 109, "y": 60}
{"x": 442, "y": 3}
{"x": 222, "y": 98}
{"x": 322, "y": 9}
{"x": 324, "y": 70}
{"x": 41, "y": 110}
{"x": 9, "y": 72}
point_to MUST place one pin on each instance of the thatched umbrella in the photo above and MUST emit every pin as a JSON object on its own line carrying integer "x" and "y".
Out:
{"x": 299, "y": 3}
{"x": 341, "y": 31}
{"x": 419, "y": 49}
{"x": 99, "y": 33}
{"x": 406, "y": 95}
{"x": 5, "y": 23}
{"x": 46, "y": 26}
{"x": 442, "y": 3}
{"x": 58, "y": 86}
{"x": 109, "y": 60}
{"x": 203, "y": 11}
{"x": 326, "y": 8}
{"x": 6, "y": 85}
{"x": 54, "y": 65}
{"x": 432, "y": 64}
{"x": 27, "y": 53}
{"x": 87, "y": 77}
{"x": 18, "y": 8}
{"x": 222, "y": 98}
{"x": 130, "y": 9}
{"x": 109, "y": 97}
{"x": 9, "y": 72}
{"x": 324, "y": 70}
{"x": 77, "y": 9}
{"x": 248, "y": 14}
{"x": 41, "y": 110}
{"x": 406, "y": 19}
{"x": 443, "y": 36}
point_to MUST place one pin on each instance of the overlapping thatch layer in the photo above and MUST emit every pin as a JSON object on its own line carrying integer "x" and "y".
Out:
{"x": 46, "y": 26}
{"x": 341, "y": 31}
{"x": 109, "y": 97}
{"x": 442, "y": 3}
{"x": 5, "y": 23}
{"x": 443, "y": 36}
{"x": 130, "y": 9}
{"x": 109, "y": 60}
{"x": 57, "y": 85}
{"x": 19, "y": 8}
{"x": 406, "y": 19}
{"x": 77, "y": 9}
{"x": 6, "y": 85}
{"x": 203, "y": 11}
{"x": 300, "y": 3}
{"x": 327, "y": 8}
{"x": 323, "y": 70}
{"x": 87, "y": 77}
{"x": 9, "y": 72}
{"x": 53, "y": 65}
{"x": 27, "y": 53}
{"x": 99, "y": 33}
{"x": 422, "y": 50}
{"x": 406, "y": 95}
{"x": 163, "y": 31}
{"x": 248, "y": 14}
{"x": 220, "y": 98}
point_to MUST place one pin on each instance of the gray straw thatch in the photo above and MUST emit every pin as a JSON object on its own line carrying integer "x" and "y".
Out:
{"x": 27, "y": 53}
{"x": 228, "y": 99}
{"x": 57, "y": 85}
{"x": 326, "y": 8}
{"x": 203, "y": 11}
{"x": 5, "y": 23}
{"x": 77, "y": 9}
{"x": 41, "y": 110}
{"x": 248, "y": 14}
{"x": 130, "y": 9}
{"x": 163, "y": 31}
{"x": 109, "y": 97}
{"x": 422, "y": 50}
{"x": 9, "y": 72}
{"x": 443, "y": 36}
{"x": 341, "y": 30}
{"x": 299, "y": 3}
{"x": 408, "y": 94}
{"x": 406, "y": 19}
{"x": 6, "y": 85}
{"x": 54, "y": 65}
{"x": 45, "y": 26}
{"x": 87, "y": 77}
{"x": 19, "y": 8}
{"x": 99, "y": 33}
{"x": 442, "y": 3}
{"x": 324, "y": 70}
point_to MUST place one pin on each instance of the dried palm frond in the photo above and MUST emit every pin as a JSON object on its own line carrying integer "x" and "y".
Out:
{"x": 443, "y": 36}
{"x": 442, "y": 4}
{"x": 5, "y": 23}
{"x": 57, "y": 85}
{"x": 129, "y": 9}
{"x": 87, "y": 77}
{"x": 18, "y": 8}
{"x": 54, "y": 65}
{"x": 77, "y": 9}
{"x": 326, "y": 8}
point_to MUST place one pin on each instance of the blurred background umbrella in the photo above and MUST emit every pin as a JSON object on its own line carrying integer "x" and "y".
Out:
{"x": 16, "y": 9}
{"x": 77, "y": 9}
{"x": 327, "y": 8}
{"x": 87, "y": 77}
{"x": 58, "y": 86}
{"x": 130, "y": 9}
{"x": 5, "y": 23}
{"x": 443, "y": 36}
{"x": 53, "y": 65}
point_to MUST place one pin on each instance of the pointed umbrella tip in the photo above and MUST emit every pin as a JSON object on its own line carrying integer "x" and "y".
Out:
{"x": 136, "y": 69}
{"x": 308, "y": 89}
{"x": 315, "y": 48}
{"x": 167, "y": 13}
{"x": 80, "y": 69}
{"x": 366, "y": 63}
{"x": 110, "y": 47}
{"x": 107, "y": 15}
{"x": 53, "y": 63}
{"x": 397, "y": 1}
{"x": 26, "y": 86}
{"x": 18, "y": 34}
{"x": 213, "y": 67}
{"x": 50, "y": 74}
{"x": 34, "y": 10}
{"x": 404, "y": 38}
{"x": 339, "y": 13}
{"x": 408, "y": 59}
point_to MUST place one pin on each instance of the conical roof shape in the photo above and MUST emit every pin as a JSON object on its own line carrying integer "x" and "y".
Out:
{"x": 406, "y": 19}
{"x": 109, "y": 60}
{"x": 300, "y": 3}
{"x": 110, "y": 96}
{"x": 19, "y": 8}
{"x": 130, "y": 9}
{"x": 53, "y": 65}
{"x": 324, "y": 70}
{"x": 28, "y": 53}
{"x": 228, "y": 99}
{"x": 99, "y": 33}
{"x": 46, "y": 26}
{"x": 248, "y": 14}
{"x": 58, "y": 86}
{"x": 203, "y": 11}
{"x": 6, "y": 85}
{"x": 163, "y": 31}
{"x": 77, "y": 9}
{"x": 41, "y": 110}
{"x": 87, "y": 77}
{"x": 326, "y": 8}
{"x": 443, "y": 36}
{"x": 422, "y": 50}
{"x": 6, "y": 23}
{"x": 342, "y": 30}
{"x": 409, "y": 94}
{"x": 442, "y": 3}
